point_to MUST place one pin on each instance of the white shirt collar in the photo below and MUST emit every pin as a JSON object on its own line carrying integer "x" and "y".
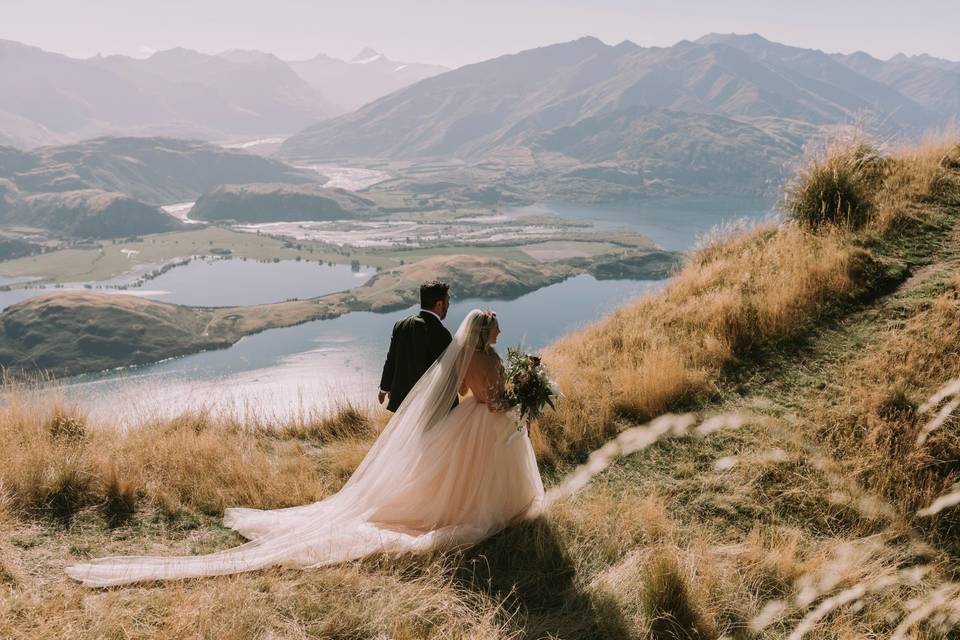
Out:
{"x": 431, "y": 313}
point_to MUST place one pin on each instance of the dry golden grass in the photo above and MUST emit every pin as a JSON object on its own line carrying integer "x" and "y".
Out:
{"x": 52, "y": 464}
{"x": 740, "y": 290}
{"x": 836, "y": 185}
{"x": 876, "y": 426}
{"x": 653, "y": 354}
{"x": 343, "y": 602}
{"x": 914, "y": 174}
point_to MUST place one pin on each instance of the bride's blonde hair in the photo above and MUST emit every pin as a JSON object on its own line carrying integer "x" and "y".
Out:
{"x": 486, "y": 320}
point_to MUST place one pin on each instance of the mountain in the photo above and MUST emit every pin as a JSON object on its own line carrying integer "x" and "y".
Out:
{"x": 931, "y": 83}
{"x": 278, "y": 203}
{"x": 155, "y": 170}
{"x": 49, "y": 98}
{"x": 722, "y": 114}
{"x": 368, "y": 76}
{"x": 511, "y": 100}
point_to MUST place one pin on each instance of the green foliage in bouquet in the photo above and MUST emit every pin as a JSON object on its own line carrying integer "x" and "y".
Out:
{"x": 527, "y": 385}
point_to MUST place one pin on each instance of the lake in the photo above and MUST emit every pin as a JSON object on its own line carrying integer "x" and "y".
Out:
{"x": 674, "y": 224}
{"x": 296, "y": 371}
{"x": 218, "y": 282}
{"x": 283, "y": 373}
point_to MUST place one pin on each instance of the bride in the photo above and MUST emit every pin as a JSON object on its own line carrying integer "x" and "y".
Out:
{"x": 434, "y": 479}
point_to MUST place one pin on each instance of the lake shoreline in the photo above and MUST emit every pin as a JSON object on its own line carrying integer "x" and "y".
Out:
{"x": 159, "y": 330}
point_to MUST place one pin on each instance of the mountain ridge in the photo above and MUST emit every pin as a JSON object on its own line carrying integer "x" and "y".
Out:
{"x": 526, "y": 104}
{"x": 51, "y": 98}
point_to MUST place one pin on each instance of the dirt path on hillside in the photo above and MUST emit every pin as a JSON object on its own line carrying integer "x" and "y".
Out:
{"x": 791, "y": 378}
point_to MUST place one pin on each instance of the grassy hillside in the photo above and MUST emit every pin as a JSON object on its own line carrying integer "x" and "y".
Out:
{"x": 155, "y": 170}
{"x": 91, "y": 213}
{"x": 824, "y": 336}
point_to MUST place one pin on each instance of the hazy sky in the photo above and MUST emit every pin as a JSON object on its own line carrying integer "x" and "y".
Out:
{"x": 455, "y": 32}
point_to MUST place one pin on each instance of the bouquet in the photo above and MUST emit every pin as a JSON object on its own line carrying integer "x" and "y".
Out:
{"x": 527, "y": 387}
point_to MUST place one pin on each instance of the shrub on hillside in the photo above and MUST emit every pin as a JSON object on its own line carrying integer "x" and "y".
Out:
{"x": 836, "y": 186}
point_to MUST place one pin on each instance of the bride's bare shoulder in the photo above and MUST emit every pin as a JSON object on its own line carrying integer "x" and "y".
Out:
{"x": 485, "y": 359}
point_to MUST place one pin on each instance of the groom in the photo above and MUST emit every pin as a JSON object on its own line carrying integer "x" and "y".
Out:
{"x": 416, "y": 343}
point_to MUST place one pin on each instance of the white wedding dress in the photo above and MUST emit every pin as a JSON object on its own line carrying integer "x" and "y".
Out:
{"x": 434, "y": 479}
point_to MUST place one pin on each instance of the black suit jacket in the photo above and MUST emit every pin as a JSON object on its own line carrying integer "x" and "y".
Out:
{"x": 416, "y": 343}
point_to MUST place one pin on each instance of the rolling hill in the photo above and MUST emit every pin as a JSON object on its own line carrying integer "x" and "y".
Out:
{"x": 264, "y": 202}
{"x": 112, "y": 187}
{"x": 90, "y": 213}
{"x": 155, "y": 170}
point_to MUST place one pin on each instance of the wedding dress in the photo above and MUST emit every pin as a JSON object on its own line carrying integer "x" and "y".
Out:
{"x": 434, "y": 479}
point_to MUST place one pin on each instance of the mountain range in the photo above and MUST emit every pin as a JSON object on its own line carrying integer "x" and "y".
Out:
{"x": 583, "y": 119}
{"x": 49, "y": 98}
{"x": 723, "y": 110}
{"x": 521, "y": 100}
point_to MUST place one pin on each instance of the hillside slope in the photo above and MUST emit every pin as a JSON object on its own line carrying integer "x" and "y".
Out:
{"x": 801, "y": 522}
{"x": 155, "y": 170}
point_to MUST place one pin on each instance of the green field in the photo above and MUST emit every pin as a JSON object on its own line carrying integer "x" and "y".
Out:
{"x": 109, "y": 260}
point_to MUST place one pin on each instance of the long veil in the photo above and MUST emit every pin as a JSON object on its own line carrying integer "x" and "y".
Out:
{"x": 335, "y": 529}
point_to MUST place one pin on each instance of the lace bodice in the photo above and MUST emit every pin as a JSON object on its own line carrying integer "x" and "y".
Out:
{"x": 485, "y": 379}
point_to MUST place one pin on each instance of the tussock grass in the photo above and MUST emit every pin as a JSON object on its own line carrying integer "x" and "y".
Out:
{"x": 52, "y": 466}
{"x": 850, "y": 184}
{"x": 743, "y": 289}
{"x": 876, "y": 428}
{"x": 915, "y": 175}
{"x": 667, "y": 602}
{"x": 836, "y": 186}
{"x": 660, "y": 352}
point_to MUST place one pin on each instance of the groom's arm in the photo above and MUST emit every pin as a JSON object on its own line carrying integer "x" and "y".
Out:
{"x": 439, "y": 340}
{"x": 389, "y": 366}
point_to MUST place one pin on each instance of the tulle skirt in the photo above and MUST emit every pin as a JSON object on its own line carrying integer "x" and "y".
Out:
{"x": 474, "y": 474}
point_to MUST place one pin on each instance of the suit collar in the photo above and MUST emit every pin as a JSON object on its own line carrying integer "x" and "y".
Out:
{"x": 426, "y": 314}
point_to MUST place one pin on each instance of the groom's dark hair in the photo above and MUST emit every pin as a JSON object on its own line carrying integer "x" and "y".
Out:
{"x": 433, "y": 292}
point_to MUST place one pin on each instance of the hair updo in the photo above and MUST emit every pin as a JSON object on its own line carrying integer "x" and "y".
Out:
{"x": 486, "y": 321}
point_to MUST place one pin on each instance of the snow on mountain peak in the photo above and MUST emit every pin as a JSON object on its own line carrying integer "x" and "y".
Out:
{"x": 366, "y": 56}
